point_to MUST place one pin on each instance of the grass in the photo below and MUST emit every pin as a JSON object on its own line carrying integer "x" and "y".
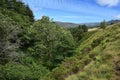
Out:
{"x": 102, "y": 65}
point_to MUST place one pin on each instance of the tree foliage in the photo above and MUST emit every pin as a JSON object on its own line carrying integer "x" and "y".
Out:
{"x": 52, "y": 43}
{"x": 103, "y": 24}
{"x": 78, "y": 32}
{"x": 17, "y": 6}
{"x": 14, "y": 71}
{"x": 8, "y": 39}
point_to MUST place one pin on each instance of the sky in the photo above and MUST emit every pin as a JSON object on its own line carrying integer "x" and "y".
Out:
{"x": 76, "y": 11}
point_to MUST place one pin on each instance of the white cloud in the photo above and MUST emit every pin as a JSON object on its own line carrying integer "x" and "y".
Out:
{"x": 117, "y": 17}
{"x": 108, "y": 3}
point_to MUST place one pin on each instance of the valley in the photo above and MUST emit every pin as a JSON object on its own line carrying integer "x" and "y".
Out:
{"x": 36, "y": 47}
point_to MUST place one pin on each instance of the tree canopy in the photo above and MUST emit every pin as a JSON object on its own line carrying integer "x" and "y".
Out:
{"x": 52, "y": 43}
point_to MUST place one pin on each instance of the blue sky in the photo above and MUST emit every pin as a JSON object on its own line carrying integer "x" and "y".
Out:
{"x": 76, "y": 11}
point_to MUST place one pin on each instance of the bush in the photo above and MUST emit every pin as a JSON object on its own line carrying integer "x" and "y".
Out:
{"x": 16, "y": 71}
{"x": 97, "y": 42}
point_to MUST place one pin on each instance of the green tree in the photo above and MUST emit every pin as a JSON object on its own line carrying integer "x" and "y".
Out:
{"x": 103, "y": 25}
{"x": 28, "y": 12}
{"x": 2, "y": 4}
{"x": 78, "y": 32}
{"x": 49, "y": 39}
{"x": 85, "y": 28}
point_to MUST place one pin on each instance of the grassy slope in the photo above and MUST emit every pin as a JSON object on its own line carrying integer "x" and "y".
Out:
{"x": 105, "y": 57}
{"x": 98, "y": 58}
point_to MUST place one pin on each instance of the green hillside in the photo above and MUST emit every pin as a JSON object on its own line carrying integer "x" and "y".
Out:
{"x": 98, "y": 58}
{"x": 44, "y": 50}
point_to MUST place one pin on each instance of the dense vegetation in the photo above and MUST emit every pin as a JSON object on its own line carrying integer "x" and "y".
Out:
{"x": 43, "y": 50}
{"x": 78, "y": 32}
{"x": 18, "y": 7}
{"x": 30, "y": 49}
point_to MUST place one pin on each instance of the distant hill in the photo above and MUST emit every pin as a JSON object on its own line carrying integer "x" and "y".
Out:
{"x": 94, "y": 24}
{"x": 67, "y": 24}
{"x": 70, "y": 25}
{"x": 113, "y": 21}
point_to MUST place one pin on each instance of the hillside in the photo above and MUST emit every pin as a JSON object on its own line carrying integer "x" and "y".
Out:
{"x": 43, "y": 49}
{"x": 104, "y": 63}
{"x": 98, "y": 58}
